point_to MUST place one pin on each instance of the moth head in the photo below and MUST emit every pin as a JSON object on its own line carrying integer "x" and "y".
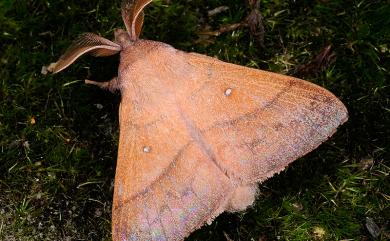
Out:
{"x": 122, "y": 37}
{"x": 97, "y": 46}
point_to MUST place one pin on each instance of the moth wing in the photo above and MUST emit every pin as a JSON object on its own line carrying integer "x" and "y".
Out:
{"x": 166, "y": 185}
{"x": 195, "y": 129}
{"x": 87, "y": 43}
{"x": 256, "y": 122}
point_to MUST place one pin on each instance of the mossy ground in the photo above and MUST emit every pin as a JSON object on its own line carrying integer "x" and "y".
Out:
{"x": 58, "y": 137}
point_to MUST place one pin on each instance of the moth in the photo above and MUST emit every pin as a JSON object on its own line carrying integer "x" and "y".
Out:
{"x": 198, "y": 134}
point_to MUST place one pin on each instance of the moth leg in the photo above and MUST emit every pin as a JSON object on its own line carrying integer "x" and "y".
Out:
{"x": 111, "y": 85}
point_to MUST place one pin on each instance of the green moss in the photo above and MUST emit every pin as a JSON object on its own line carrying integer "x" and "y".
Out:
{"x": 58, "y": 150}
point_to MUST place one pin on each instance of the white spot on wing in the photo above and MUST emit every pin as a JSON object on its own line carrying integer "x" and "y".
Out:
{"x": 228, "y": 92}
{"x": 147, "y": 149}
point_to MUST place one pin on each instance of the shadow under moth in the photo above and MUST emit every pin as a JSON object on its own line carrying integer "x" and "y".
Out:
{"x": 197, "y": 134}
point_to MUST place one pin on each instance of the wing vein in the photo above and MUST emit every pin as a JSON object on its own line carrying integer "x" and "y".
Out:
{"x": 158, "y": 179}
{"x": 198, "y": 137}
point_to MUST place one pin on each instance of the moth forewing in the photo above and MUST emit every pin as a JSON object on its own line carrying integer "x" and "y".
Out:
{"x": 212, "y": 130}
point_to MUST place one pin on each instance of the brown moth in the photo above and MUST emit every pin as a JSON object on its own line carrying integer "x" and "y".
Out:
{"x": 197, "y": 134}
